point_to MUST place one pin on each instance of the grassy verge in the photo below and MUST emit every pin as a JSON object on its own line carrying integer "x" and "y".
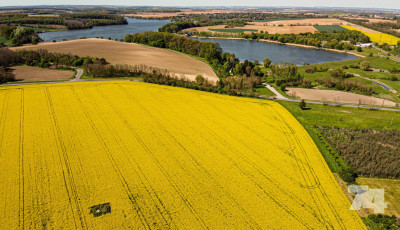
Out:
{"x": 392, "y": 192}
{"x": 263, "y": 91}
{"x": 330, "y": 28}
{"x": 394, "y": 84}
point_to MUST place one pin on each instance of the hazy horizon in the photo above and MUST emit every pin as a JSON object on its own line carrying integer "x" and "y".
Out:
{"x": 383, "y": 4}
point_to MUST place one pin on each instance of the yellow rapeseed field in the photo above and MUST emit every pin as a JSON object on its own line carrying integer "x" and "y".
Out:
{"x": 163, "y": 158}
{"x": 379, "y": 38}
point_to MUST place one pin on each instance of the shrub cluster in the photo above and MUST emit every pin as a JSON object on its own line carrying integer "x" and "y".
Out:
{"x": 354, "y": 85}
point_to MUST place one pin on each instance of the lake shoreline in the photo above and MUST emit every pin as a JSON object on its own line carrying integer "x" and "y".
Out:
{"x": 287, "y": 44}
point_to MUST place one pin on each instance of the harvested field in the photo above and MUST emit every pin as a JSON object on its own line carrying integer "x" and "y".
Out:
{"x": 301, "y": 22}
{"x": 269, "y": 29}
{"x": 132, "y": 54}
{"x": 29, "y": 73}
{"x": 337, "y": 96}
{"x": 43, "y": 15}
{"x": 278, "y": 19}
{"x": 229, "y": 30}
{"x": 173, "y": 14}
{"x": 283, "y": 29}
{"x": 118, "y": 147}
{"x": 374, "y": 20}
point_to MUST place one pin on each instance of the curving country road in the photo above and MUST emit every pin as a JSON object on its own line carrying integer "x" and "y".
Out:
{"x": 79, "y": 73}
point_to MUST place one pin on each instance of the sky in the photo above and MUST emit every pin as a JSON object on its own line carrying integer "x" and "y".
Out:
{"x": 389, "y": 4}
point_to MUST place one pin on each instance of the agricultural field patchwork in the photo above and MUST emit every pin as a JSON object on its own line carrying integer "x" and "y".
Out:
{"x": 134, "y": 155}
{"x": 379, "y": 38}
{"x": 279, "y": 19}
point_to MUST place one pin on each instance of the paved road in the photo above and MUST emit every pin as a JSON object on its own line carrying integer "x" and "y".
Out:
{"x": 79, "y": 73}
{"x": 272, "y": 89}
{"x": 280, "y": 97}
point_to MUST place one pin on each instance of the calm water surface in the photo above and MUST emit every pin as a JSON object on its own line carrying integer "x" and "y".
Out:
{"x": 253, "y": 50}
{"x": 113, "y": 31}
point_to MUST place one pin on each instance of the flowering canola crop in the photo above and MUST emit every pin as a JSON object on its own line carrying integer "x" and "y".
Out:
{"x": 162, "y": 157}
{"x": 379, "y": 38}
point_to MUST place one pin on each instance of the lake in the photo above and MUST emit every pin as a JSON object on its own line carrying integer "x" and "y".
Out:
{"x": 253, "y": 50}
{"x": 113, "y": 31}
{"x": 243, "y": 49}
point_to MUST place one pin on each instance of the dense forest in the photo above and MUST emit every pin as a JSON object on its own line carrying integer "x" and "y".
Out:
{"x": 372, "y": 153}
{"x": 70, "y": 21}
{"x": 18, "y": 35}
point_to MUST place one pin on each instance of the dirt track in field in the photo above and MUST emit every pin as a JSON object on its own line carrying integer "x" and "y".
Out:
{"x": 132, "y": 54}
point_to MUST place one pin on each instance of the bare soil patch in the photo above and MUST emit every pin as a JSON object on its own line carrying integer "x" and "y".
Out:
{"x": 337, "y": 97}
{"x": 43, "y": 15}
{"x": 283, "y": 29}
{"x": 29, "y": 73}
{"x": 132, "y": 54}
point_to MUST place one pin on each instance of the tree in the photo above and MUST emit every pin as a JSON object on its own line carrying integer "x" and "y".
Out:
{"x": 365, "y": 65}
{"x": 200, "y": 80}
{"x": 348, "y": 175}
{"x": 302, "y": 104}
{"x": 337, "y": 73}
{"x": 267, "y": 62}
